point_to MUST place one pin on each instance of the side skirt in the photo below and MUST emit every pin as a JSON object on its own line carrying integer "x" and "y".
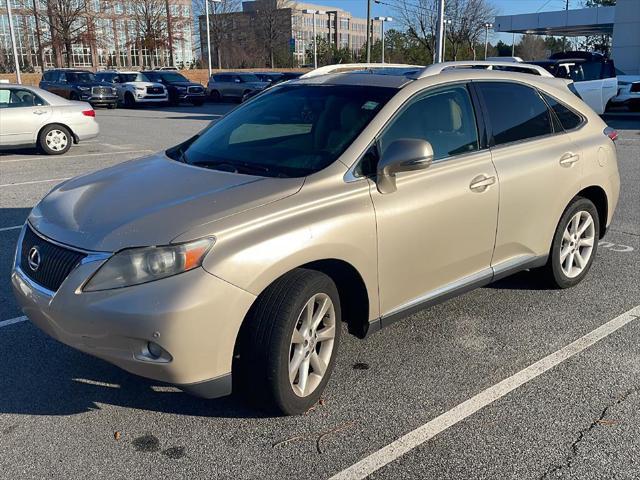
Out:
{"x": 459, "y": 287}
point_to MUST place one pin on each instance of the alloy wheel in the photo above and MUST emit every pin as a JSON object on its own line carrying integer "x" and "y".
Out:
{"x": 56, "y": 140}
{"x": 577, "y": 243}
{"x": 312, "y": 344}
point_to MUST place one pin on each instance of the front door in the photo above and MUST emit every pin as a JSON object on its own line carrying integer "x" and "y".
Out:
{"x": 436, "y": 232}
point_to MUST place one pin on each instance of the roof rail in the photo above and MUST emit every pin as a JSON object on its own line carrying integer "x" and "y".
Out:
{"x": 437, "y": 68}
{"x": 346, "y": 67}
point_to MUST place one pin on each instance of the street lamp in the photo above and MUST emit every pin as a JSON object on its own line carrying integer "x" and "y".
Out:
{"x": 382, "y": 20}
{"x": 13, "y": 43}
{"x": 206, "y": 10}
{"x": 487, "y": 26}
{"x": 445, "y": 22}
{"x": 315, "y": 42}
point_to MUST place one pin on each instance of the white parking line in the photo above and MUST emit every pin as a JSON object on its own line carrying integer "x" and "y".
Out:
{"x": 33, "y": 181}
{"x": 413, "y": 439}
{"x": 63, "y": 157}
{"x": 6, "y": 323}
{"x": 15, "y": 227}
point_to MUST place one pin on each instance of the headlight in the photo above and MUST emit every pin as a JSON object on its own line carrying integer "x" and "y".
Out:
{"x": 181, "y": 89}
{"x": 84, "y": 89}
{"x": 141, "y": 265}
{"x": 114, "y": 90}
{"x": 142, "y": 89}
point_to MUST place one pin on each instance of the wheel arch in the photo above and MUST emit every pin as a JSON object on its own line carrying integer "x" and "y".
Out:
{"x": 73, "y": 134}
{"x": 599, "y": 198}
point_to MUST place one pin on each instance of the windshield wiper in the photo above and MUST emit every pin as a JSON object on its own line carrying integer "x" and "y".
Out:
{"x": 236, "y": 167}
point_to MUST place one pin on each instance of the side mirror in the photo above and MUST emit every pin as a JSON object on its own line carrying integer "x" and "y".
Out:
{"x": 403, "y": 155}
{"x": 237, "y": 80}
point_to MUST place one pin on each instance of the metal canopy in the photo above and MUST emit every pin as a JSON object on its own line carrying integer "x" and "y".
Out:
{"x": 579, "y": 22}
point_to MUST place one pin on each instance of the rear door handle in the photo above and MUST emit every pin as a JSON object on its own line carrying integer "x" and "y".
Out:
{"x": 481, "y": 183}
{"x": 569, "y": 159}
{"x": 39, "y": 112}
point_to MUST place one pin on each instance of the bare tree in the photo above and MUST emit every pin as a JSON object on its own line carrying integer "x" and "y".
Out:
{"x": 219, "y": 23}
{"x": 273, "y": 26}
{"x": 420, "y": 18}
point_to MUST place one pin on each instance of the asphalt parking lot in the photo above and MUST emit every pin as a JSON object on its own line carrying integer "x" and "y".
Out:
{"x": 576, "y": 415}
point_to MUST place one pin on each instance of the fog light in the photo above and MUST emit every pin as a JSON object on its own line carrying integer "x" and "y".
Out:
{"x": 155, "y": 350}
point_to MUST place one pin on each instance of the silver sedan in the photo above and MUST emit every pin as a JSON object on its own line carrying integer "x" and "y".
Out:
{"x": 30, "y": 116}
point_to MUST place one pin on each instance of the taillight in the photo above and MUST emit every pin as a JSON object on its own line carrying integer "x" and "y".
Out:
{"x": 89, "y": 113}
{"x": 612, "y": 133}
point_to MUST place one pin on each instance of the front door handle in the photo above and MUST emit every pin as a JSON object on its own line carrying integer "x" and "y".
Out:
{"x": 481, "y": 183}
{"x": 39, "y": 112}
{"x": 568, "y": 159}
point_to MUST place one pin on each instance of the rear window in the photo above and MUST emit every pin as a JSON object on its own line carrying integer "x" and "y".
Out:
{"x": 567, "y": 117}
{"x": 516, "y": 112}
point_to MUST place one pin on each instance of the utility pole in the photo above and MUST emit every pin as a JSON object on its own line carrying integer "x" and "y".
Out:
{"x": 440, "y": 33}
{"x": 368, "y": 31}
{"x": 382, "y": 20}
{"x": 13, "y": 43}
{"x": 487, "y": 26}
{"x": 169, "y": 33}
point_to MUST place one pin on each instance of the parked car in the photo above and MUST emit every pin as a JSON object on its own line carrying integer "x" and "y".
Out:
{"x": 628, "y": 92}
{"x": 134, "y": 87}
{"x": 593, "y": 75}
{"x": 343, "y": 196}
{"x": 179, "y": 88}
{"x": 269, "y": 77}
{"x": 79, "y": 85}
{"x": 30, "y": 116}
{"x": 234, "y": 85}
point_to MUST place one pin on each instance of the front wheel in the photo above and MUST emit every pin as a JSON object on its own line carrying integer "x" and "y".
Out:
{"x": 55, "y": 140}
{"x": 574, "y": 244}
{"x": 289, "y": 342}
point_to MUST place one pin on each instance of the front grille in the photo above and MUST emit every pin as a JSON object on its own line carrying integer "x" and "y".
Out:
{"x": 195, "y": 90}
{"x": 101, "y": 91}
{"x": 154, "y": 90}
{"x": 635, "y": 87}
{"x": 56, "y": 262}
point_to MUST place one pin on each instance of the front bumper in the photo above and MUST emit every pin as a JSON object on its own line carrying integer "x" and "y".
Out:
{"x": 190, "y": 97}
{"x": 100, "y": 99}
{"x": 194, "y": 316}
{"x": 151, "y": 99}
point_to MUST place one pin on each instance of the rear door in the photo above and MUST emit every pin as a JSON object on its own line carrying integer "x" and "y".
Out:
{"x": 596, "y": 83}
{"x": 22, "y": 114}
{"x": 539, "y": 169}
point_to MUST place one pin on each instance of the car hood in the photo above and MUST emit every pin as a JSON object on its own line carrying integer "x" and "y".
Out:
{"x": 143, "y": 84}
{"x": 185, "y": 84}
{"x": 149, "y": 201}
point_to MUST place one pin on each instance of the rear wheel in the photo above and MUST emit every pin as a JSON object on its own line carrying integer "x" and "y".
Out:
{"x": 55, "y": 140}
{"x": 574, "y": 244}
{"x": 289, "y": 342}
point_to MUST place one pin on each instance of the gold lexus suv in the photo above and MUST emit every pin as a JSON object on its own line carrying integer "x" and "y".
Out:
{"x": 353, "y": 195}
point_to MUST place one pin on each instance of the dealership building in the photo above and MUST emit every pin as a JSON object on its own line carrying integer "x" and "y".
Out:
{"x": 622, "y": 21}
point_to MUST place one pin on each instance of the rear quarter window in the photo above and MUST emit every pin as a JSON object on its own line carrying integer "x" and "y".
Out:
{"x": 516, "y": 112}
{"x": 567, "y": 117}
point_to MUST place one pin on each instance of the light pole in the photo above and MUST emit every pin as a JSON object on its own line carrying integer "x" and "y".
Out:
{"x": 315, "y": 38}
{"x": 382, "y": 20}
{"x": 487, "y": 26}
{"x": 368, "y": 31}
{"x": 445, "y": 22}
{"x": 439, "y": 32}
{"x": 13, "y": 43}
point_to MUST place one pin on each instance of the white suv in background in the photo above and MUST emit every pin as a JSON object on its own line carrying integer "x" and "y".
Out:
{"x": 134, "y": 87}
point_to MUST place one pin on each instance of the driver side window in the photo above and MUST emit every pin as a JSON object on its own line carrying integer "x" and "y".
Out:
{"x": 444, "y": 117}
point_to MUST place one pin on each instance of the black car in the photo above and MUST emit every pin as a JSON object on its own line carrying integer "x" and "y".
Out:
{"x": 79, "y": 85}
{"x": 270, "y": 77}
{"x": 180, "y": 88}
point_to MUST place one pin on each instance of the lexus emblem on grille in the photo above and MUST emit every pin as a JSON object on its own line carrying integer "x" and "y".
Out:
{"x": 34, "y": 258}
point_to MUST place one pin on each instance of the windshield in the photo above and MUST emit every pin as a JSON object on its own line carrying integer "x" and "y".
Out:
{"x": 132, "y": 77}
{"x": 81, "y": 77}
{"x": 172, "y": 77}
{"x": 291, "y": 131}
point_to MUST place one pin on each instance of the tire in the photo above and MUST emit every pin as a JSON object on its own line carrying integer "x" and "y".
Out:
{"x": 215, "y": 96}
{"x": 74, "y": 96}
{"x": 267, "y": 349}
{"x": 129, "y": 101}
{"x": 563, "y": 269}
{"x": 55, "y": 139}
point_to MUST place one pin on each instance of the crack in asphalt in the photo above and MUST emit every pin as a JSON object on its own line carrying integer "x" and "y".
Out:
{"x": 573, "y": 452}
